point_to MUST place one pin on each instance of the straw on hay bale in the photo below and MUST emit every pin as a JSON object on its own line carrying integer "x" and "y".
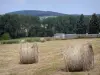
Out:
{"x": 42, "y": 39}
{"x": 28, "y": 54}
{"x": 79, "y": 57}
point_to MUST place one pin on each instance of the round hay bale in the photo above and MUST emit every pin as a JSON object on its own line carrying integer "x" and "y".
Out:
{"x": 42, "y": 39}
{"x": 28, "y": 54}
{"x": 79, "y": 57}
{"x": 22, "y": 41}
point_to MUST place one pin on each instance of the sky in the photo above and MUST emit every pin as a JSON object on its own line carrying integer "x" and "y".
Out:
{"x": 62, "y": 6}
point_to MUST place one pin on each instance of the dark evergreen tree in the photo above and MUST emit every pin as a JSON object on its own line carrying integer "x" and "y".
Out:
{"x": 94, "y": 25}
{"x": 81, "y": 27}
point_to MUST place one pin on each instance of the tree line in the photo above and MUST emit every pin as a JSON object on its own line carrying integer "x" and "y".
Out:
{"x": 29, "y": 26}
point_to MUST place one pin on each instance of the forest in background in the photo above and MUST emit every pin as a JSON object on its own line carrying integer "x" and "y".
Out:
{"x": 18, "y": 26}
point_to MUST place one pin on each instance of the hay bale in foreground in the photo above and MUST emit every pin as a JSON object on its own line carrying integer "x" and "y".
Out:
{"x": 28, "y": 54}
{"x": 79, "y": 57}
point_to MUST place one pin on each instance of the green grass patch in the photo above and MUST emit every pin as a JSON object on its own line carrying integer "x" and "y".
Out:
{"x": 16, "y": 41}
{"x": 9, "y": 41}
{"x": 37, "y": 39}
{"x": 27, "y": 39}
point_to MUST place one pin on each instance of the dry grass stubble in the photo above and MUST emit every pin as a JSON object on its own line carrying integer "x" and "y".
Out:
{"x": 50, "y": 59}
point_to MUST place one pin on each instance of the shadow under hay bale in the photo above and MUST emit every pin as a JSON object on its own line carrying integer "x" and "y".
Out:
{"x": 28, "y": 54}
{"x": 79, "y": 58}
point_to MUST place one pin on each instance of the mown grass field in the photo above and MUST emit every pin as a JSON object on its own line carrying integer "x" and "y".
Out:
{"x": 50, "y": 59}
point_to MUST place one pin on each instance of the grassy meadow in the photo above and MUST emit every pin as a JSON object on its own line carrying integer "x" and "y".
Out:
{"x": 50, "y": 58}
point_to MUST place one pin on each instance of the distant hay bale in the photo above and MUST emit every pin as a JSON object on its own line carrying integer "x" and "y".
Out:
{"x": 22, "y": 41}
{"x": 42, "y": 40}
{"x": 28, "y": 54}
{"x": 79, "y": 57}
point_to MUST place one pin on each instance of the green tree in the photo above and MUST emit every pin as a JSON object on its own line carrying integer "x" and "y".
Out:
{"x": 16, "y": 25}
{"x": 81, "y": 27}
{"x": 73, "y": 20}
{"x": 1, "y": 26}
{"x": 48, "y": 26}
{"x": 99, "y": 23}
{"x": 5, "y": 36}
{"x": 94, "y": 25}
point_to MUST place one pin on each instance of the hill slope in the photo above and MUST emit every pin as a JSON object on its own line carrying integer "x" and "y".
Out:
{"x": 37, "y": 13}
